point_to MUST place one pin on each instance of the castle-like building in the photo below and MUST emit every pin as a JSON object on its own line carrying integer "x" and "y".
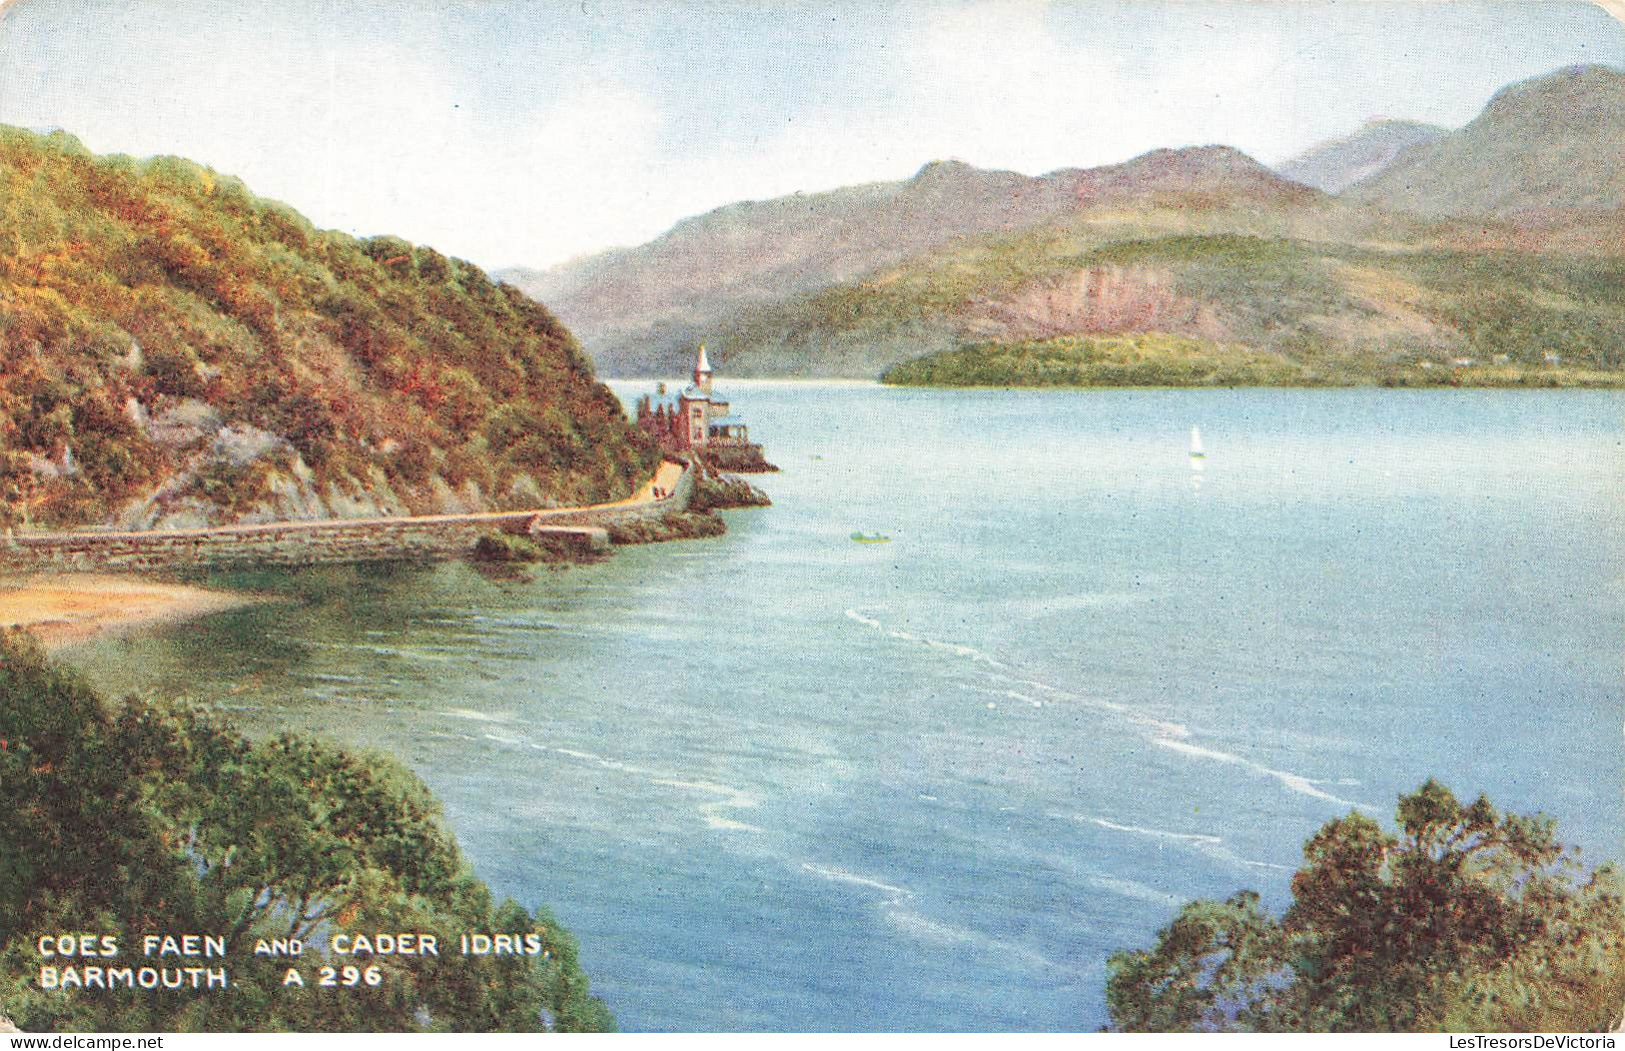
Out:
{"x": 696, "y": 419}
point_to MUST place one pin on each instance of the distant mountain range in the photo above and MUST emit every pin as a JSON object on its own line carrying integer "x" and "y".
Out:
{"x": 757, "y": 250}
{"x": 854, "y": 280}
{"x": 1336, "y": 165}
{"x": 641, "y": 306}
{"x": 1552, "y": 143}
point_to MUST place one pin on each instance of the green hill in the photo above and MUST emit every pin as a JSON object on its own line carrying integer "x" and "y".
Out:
{"x": 175, "y": 350}
{"x": 1301, "y": 310}
{"x": 1039, "y": 283}
{"x": 1146, "y": 360}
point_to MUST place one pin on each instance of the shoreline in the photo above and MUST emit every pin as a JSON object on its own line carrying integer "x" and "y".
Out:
{"x": 308, "y": 541}
{"x": 1543, "y": 383}
{"x": 1612, "y": 384}
{"x": 63, "y": 609}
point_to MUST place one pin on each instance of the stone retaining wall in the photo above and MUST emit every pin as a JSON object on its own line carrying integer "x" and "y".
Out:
{"x": 572, "y": 531}
{"x": 741, "y": 458}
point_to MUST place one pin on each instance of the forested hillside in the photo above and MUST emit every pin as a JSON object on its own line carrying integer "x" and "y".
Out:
{"x": 177, "y": 351}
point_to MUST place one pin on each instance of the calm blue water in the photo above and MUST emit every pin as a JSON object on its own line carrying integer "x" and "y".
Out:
{"x": 781, "y": 780}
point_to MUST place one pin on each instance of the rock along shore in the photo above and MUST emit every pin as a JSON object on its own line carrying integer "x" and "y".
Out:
{"x": 569, "y": 531}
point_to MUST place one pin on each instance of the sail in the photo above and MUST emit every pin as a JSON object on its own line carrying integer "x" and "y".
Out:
{"x": 1196, "y": 442}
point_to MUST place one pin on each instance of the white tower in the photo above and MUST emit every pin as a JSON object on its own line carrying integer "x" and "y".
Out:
{"x": 702, "y": 372}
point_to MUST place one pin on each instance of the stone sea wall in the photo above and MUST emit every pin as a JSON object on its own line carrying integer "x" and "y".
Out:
{"x": 571, "y": 531}
{"x": 741, "y": 459}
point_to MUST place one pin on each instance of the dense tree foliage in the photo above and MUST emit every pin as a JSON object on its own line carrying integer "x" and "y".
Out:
{"x": 147, "y": 307}
{"x": 1463, "y": 919}
{"x": 157, "y": 819}
{"x": 1141, "y": 360}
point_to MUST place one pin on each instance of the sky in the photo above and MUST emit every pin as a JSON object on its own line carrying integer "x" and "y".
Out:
{"x": 527, "y": 132}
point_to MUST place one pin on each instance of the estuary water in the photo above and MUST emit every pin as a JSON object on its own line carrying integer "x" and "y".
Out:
{"x": 781, "y": 780}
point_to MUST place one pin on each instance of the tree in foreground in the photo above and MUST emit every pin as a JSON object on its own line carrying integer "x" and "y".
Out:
{"x": 147, "y": 818}
{"x": 1465, "y": 919}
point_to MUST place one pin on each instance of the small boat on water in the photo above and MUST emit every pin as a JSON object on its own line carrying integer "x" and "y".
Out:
{"x": 1196, "y": 445}
{"x": 875, "y": 538}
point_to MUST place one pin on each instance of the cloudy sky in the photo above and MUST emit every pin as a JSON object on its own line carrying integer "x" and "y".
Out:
{"x": 529, "y": 131}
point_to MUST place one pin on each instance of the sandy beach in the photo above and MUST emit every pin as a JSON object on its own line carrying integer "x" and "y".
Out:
{"x": 65, "y": 608}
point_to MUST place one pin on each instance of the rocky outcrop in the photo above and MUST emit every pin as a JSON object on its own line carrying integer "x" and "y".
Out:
{"x": 741, "y": 459}
{"x": 1095, "y": 300}
{"x": 569, "y": 531}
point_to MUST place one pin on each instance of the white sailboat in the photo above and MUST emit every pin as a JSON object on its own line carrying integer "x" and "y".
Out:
{"x": 1196, "y": 445}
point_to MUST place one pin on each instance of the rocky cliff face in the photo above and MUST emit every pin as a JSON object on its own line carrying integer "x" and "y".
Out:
{"x": 1094, "y": 300}
{"x": 274, "y": 481}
